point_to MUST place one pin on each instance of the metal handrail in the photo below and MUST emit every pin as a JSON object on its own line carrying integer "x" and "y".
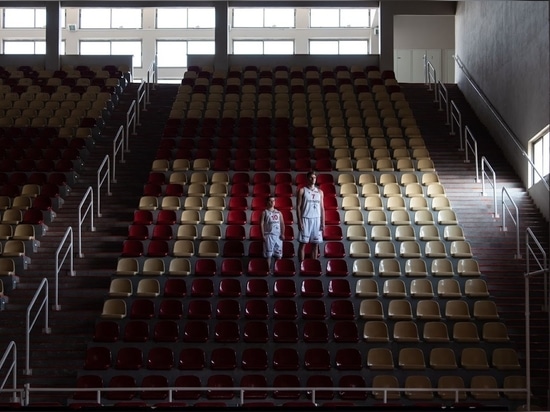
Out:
{"x": 102, "y": 178}
{"x": 30, "y": 324}
{"x": 152, "y": 78}
{"x": 118, "y": 143}
{"x": 81, "y": 216}
{"x": 430, "y": 76}
{"x": 485, "y": 163}
{"x": 542, "y": 269}
{"x": 515, "y": 218}
{"x": 69, "y": 252}
{"x": 131, "y": 119}
{"x": 456, "y": 115}
{"x": 470, "y": 143}
{"x": 443, "y": 97}
{"x": 11, "y": 349}
{"x": 499, "y": 119}
{"x": 141, "y": 96}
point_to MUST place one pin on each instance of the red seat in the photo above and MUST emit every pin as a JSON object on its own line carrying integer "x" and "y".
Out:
{"x": 303, "y": 165}
{"x": 160, "y": 358}
{"x": 239, "y": 189}
{"x": 331, "y": 204}
{"x": 195, "y": 331}
{"x": 231, "y": 267}
{"x": 283, "y": 165}
{"x": 187, "y": 381}
{"x": 223, "y": 358}
{"x": 312, "y": 288}
{"x": 348, "y": 359}
{"x": 158, "y": 248}
{"x": 254, "y": 359}
{"x": 175, "y": 288}
{"x": 167, "y": 217}
{"x": 132, "y": 248}
{"x": 136, "y": 331}
{"x": 174, "y": 189}
{"x": 315, "y": 331}
{"x": 235, "y": 232}
{"x": 285, "y": 332}
{"x": 157, "y": 178}
{"x": 192, "y": 359}
{"x": 166, "y": 331}
{"x": 199, "y": 309}
{"x": 255, "y": 233}
{"x": 152, "y": 189}
{"x": 33, "y": 216}
{"x": 258, "y": 203}
{"x": 121, "y": 381}
{"x": 256, "y": 217}
{"x": 328, "y": 189}
{"x": 314, "y": 309}
{"x": 255, "y": 332}
{"x": 288, "y": 216}
{"x": 284, "y": 203}
{"x": 352, "y": 381}
{"x": 317, "y": 359}
{"x": 205, "y": 267}
{"x": 220, "y": 381}
{"x": 106, "y": 331}
{"x": 241, "y": 178}
{"x": 170, "y": 309}
{"x": 321, "y": 381}
{"x": 284, "y": 267}
{"x": 285, "y": 309}
{"x": 228, "y": 308}
{"x": 233, "y": 248}
{"x": 286, "y": 359}
{"x": 284, "y": 288}
{"x": 345, "y": 331}
{"x": 258, "y": 267}
{"x": 256, "y": 309}
{"x": 257, "y": 288}
{"x": 229, "y": 288}
{"x": 142, "y": 309}
{"x": 97, "y": 358}
{"x": 129, "y": 358}
{"x": 261, "y": 178}
{"x": 262, "y": 164}
{"x": 334, "y": 250}
{"x": 339, "y": 288}
{"x": 236, "y": 216}
{"x": 242, "y": 165}
{"x": 337, "y": 267}
{"x": 332, "y": 217}
{"x": 143, "y": 217}
{"x": 154, "y": 381}
{"x": 254, "y": 381}
{"x": 237, "y": 203}
{"x": 342, "y": 309}
{"x": 286, "y": 381}
{"x": 227, "y": 331}
{"x": 332, "y": 232}
{"x": 288, "y": 249}
{"x": 138, "y": 232}
{"x": 86, "y": 381}
{"x": 310, "y": 267}
{"x": 323, "y": 165}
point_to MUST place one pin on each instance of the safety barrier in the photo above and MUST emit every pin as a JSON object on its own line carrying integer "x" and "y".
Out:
{"x": 58, "y": 264}
{"x": 492, "y": 180}
{"x": 430, "y": 77}
{"x": 470, "y": 143}
{"x": 456, "y": 117}
{"x": 29, "y": 324}
{"x": 12, "y": 370}
{"x": 81, "y": 216}
{"x": 506, "y": 210}
{"x": 443, "y": 94}
{"x": 118, "y": 143}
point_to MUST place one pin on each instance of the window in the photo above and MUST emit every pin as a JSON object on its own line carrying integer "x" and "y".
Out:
{"x": 25, "y": 47}
{"x": 340, "y": 17}
{"x": 541, "y": 154}
{"x": 171, "y": 18}
{"x": 126, "y": 18}
{"x": 24, "y": 18}
{"x": 201, "y": 18}
{"x": 338, "y": 47}
{"x": 257, "y": 17}
{"x": 263, "y": 47}
{"x": 113, "y": 48}
{"x": 172, "y": 54}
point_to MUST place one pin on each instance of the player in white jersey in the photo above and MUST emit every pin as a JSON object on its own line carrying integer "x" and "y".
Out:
{"x": 310, "y": 211}
{"x": 272, "y": 226}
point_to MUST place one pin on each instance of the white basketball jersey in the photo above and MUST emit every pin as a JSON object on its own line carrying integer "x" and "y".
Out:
{"x": 311, "y": 206}
{"x": 272, "y": 223}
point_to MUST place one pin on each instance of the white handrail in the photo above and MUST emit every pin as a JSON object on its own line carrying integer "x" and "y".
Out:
{"x": 30, "y": 324}
{"x": 102, "y": 179}
{"x": 12, "y": 369}
{"x": 515, "y": 218}
{"x": 131, "y": 119}
{"x": 499, "y": 119}
{"x": 118, "y": 146}
{"x": 456, "y": 115}
{"x": 141, "y": 98}
{"x": 152, "y": 77}
{"x": 69, "y": 252}
{"x": 470, "y": 143}
{"x": 493, "y": 182}
{"x": 430, "y": 76}
{"x": 81, "y": 216}
{"x": 541, "y": 269}
{"x": 443, "y": 97}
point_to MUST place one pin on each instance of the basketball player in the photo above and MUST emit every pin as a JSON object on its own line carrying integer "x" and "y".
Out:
{"x": 272, "y": 227}
{"x": 311, "y": 217}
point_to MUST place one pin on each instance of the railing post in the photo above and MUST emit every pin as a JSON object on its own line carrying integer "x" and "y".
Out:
{"x": 457, "y": 116}
{"x": 485, "y": 162}
{"x": 69, "y": 252}
{"x": 473, "y": 146}
{"x": 30, "y": 324}
{"x": 11, "y": 349}
{"x": 90, "y": 209}
{"x": 505, "y": 211}
{"x": 102, "y": 178}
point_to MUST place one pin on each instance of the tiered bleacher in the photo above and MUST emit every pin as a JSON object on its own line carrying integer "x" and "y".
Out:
{"x": 49, "y": 121}
{"x": 396, "y": 299}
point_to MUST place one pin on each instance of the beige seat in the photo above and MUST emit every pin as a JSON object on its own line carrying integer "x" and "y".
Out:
{"x": 465, "y": 332}
{"x": 215, "y": 203}
{"x": 435, "y": 332}
{"x": 495, "y": 332}
{"x": 351, "y": 203}
{"x": 14, "y": 248}
{"x": 468, "y": 267}
{"x": 380, "y": 233}
{"x": 211, "y": 232}
{"x": 428, "y": 310}
{"x": 190, "y": 217}
{"x": 213, "y": 217}
{"x": 447, "y": 382}
{"x": 371, "y": 309}
{"x": 196, "y": 189}
{"x": 512, "y": 383}
{"x": 461, "y": 249}
{"x": 368, "y": 189}
{"x": 421, "y": 289}
{"x": 366, "y": 288}
{"x": 442, "y": 267}
{"x": 435, "y": 249}
{"x": 356, "y": 232}
{"x": 179, "y": 267}
{"x": 417, "y": 203}
{"x": 476, "y": 288}
{"x": 353, "y": 217}
{"x": 363, "y": 267}
{"x": 120, "y": 287}
{"x": 442, "y": 358}
{"x": 170, "y": 203}
{"x": 505, "y": 359}
{"x": 208, "y": 248}
{"x": 410, "y": 249}
{"x": 474, "y": 358}
{"x": 359, "y": 249}
{"x": 486, "y": 310}
{"x": 376, "y": 217}
{"x": 385, "y": 381}
{"x": 448, "y": 289}
{"x": 400, "y": 309}
{"x": 153, "y": 267}
{"x": 218, "y": 190}
{"x": 394, "y": 288}
{"x": 457, "y": 310}
{"x": 423, "y": 382}
{"x": 188, "y": 232}
{"x": 127, "y": 267}
{"x": 380, "y": 359}
{"x": 389, "y": 267}
{"x": 180, "y": 165}
{"x": 405, "y": 233}
{"x": 24, "y": 231}
{"x": 441, "y": 203}
{"x": 193, "y": 203}
{"x": 114, "y": 309}
{"x": 405, "y": 331}
{"x": 416, "y": 268}
{"x": 397, "y": 203}
{"x": 148, "y": 288}
{"x": 376, "y": 331}
{"x": 148, "y": 203}
{"x": 373, "y": 203}
{"x": 183, "y": 248}
{"x": 452, "y": 233}
{"x": 423, "y": 217}
{"x": 480, "y": 385}
{"x": 6, "y": 231}
{"x": 411, "y": 359}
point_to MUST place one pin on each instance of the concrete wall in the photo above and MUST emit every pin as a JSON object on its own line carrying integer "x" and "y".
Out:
{"x": 504, "y": 46}
{"x": 424, "y": 32}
